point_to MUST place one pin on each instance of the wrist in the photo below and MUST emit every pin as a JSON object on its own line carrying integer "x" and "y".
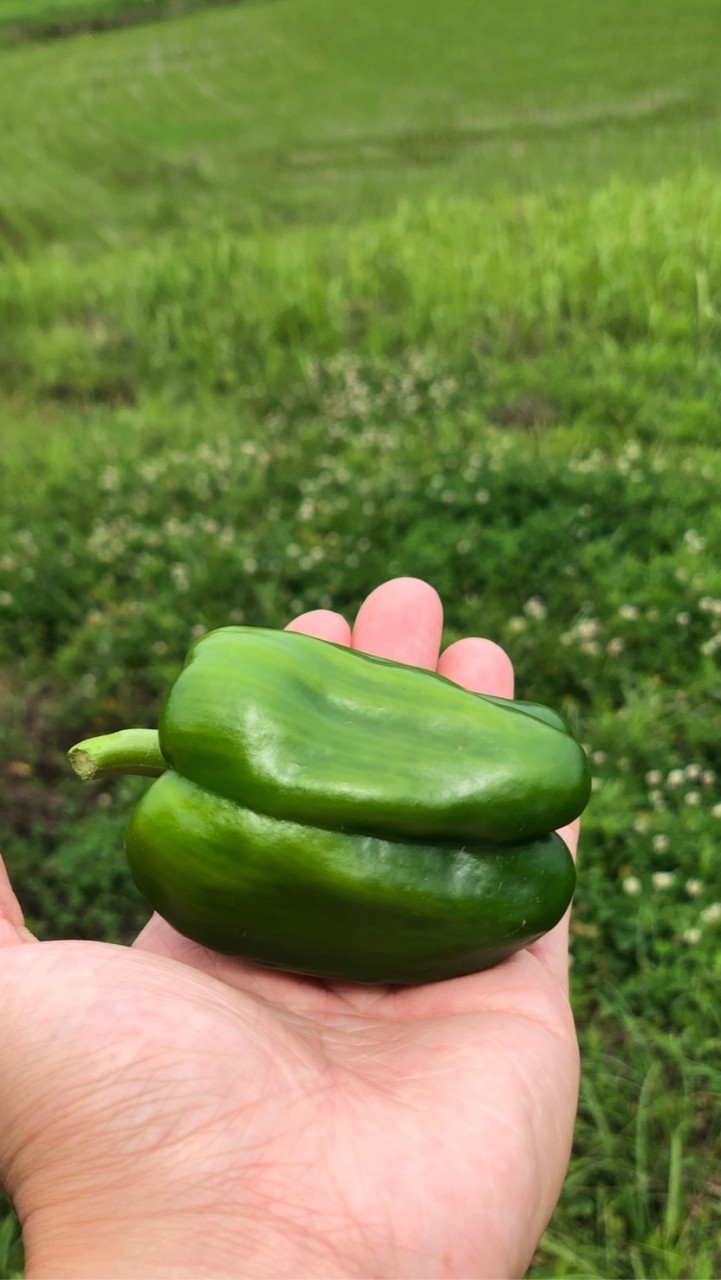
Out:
{"x": 148, "y": 1248}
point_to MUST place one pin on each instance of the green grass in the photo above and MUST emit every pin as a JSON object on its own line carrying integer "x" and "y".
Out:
{"x": 283, "y": 112}
{"x": 499, "y": 369}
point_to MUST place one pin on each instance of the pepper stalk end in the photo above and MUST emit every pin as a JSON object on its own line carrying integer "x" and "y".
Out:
{"x": 130, "y": 751}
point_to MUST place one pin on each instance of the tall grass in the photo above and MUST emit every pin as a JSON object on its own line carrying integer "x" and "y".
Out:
{"x": 553, "y": 291}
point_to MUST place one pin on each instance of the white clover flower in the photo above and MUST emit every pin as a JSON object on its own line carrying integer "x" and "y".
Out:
{"x": 181, "y": 578}
{"x": 693, "y": 771}
{"x": 587, "y": 628}
{"x": 629, "y": 612}
{"x": 517, "y": 624}
{"x": 6, "y": 598}
{"x": 640, "y": 826}
{"x": 683, "y": 619}
{"x": 694, "y": 888}
{"x": 27, "y": 542}
{"x": 535, "y": 608}
{"x": 660, "y": 843}
{"x": 654, "y": 777}
{"x": 614, "y": 647}
{"x": 631, "y": 885}
{"x": 663, "y": 879}
{"x": 708, "y": 777}
{"x": 712, "y": 914}
{"x": 482, "y": 497}
{"x": 692, "y": 798}
{"x": 676, "y": 778}
{"x": 692, "y": 936}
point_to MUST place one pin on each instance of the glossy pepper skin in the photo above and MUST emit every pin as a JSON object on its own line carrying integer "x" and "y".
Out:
{"x": 347, "y": 817}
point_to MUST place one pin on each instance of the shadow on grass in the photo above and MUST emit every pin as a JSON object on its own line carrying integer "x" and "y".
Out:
{"x": 135, "y": 13}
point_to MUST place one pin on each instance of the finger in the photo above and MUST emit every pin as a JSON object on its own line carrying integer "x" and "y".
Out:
{"x": 552, "y": 949}
{"x": 402, "y": 619}
{"x": 323, "y": 624}
{"x": 479, "y": 665}
{"x": 12, "y": 925}
{"x": 570, "y": 834}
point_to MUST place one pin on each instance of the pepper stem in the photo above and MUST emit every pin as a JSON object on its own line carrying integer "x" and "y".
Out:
{"x": 129, "y": 751}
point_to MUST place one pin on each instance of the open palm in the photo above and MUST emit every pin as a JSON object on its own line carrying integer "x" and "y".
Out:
{"x": 165, "y": 1111}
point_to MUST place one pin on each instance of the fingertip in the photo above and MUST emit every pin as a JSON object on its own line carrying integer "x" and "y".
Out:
{"x": 323, "y": 624}
{"x": 479, "y": 665}
{"x": 401, "y": 619}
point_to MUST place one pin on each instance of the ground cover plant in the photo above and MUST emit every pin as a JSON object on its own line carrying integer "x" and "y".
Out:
{"x": 514, "y": 397}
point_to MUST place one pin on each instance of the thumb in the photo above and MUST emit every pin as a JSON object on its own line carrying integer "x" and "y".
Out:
{"x": 12, "y": 925}
{"x": 12, "y": 935}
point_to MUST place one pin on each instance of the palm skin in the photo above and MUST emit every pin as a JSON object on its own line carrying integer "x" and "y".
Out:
{"x": 165, "y": 1111}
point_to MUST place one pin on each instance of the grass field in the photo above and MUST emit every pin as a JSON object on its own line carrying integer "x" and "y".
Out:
{"x": 285, "y": 112}
{"x": 287, "y": 307}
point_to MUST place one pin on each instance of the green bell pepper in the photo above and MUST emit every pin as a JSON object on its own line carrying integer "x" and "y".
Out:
{"x": 344, "y": 816}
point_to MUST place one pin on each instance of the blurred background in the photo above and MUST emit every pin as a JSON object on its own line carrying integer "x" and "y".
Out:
{"x": 298, "y": 295}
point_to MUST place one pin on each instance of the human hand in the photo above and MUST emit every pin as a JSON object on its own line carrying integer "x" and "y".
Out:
{"x": 166, "y": 1111}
